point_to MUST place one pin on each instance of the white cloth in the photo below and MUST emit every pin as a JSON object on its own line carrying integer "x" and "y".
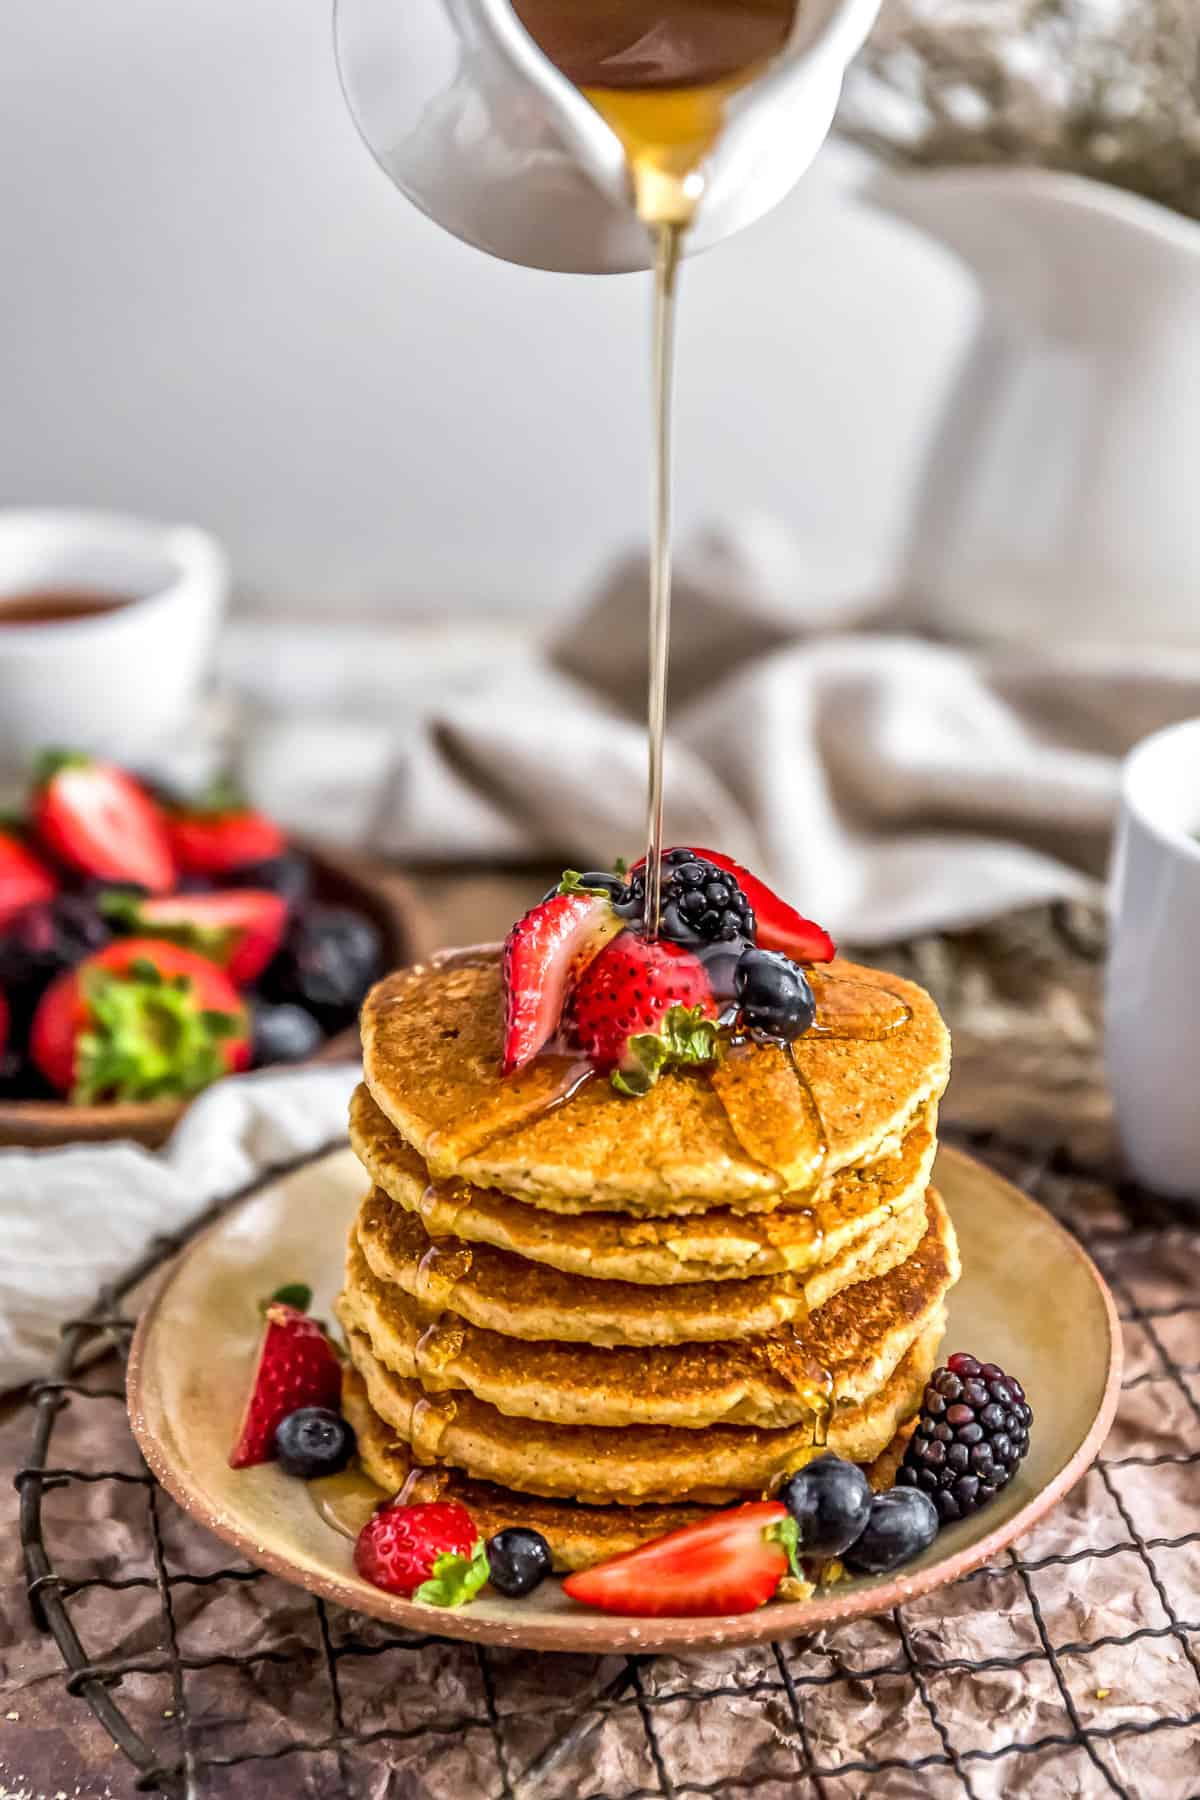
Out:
{"x": 886, "y": 783}
{"x": 74, "y": 1219}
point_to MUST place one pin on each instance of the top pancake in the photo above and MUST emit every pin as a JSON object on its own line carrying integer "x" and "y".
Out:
{"x": 431, "y": 1059}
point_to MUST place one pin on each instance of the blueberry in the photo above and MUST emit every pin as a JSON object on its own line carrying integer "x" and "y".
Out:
{"x": 903, "y": 1522}
{"x": 289, "y": 875}
{"x": 518, "y": 1560}
{"x": 283, "y": 1034}
{"x": 774, "y": 994}
{"x": 329, "y": 958}
{"x": 313, "y": 1441}
{"x": 830, "y": 1500}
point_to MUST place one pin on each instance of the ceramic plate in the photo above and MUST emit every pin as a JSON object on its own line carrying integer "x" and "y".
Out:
{"x": 1026, "y": 1285}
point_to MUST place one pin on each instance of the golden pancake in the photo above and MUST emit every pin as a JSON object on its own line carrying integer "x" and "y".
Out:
{"x": 846, "y": 1351}
{"x": 612, "y": 1246}
{"x": 642, "y": 1463}
{"x": 768, "y": 1119}
{"x": 578, "y": 1535}
{"x": 504, "y": 1293}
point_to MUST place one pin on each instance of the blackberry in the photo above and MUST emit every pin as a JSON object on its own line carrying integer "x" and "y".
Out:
{"x": 972, "y": 1431}
{"x": 700, "y": 903}
{"x": 44, "y": 939}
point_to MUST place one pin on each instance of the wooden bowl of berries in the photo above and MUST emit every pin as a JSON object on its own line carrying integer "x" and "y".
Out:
{"x": 150, "y": 945}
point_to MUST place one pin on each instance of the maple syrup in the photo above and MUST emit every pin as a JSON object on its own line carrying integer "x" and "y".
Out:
{"x": 446, "y": 1262}
{"x": 347, "y": 1501}
{"x": 59, "y": 606}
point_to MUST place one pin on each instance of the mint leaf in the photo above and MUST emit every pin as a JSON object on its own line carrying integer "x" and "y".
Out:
{"x": 455, "y": 1579}
{"x": 572, "y": 883}
{"x": 292, "y": 1293}
{"x": 686, "y": 1038}
{"x": 786, "y": 1531}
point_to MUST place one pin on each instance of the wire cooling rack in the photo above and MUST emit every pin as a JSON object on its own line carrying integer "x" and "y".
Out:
{"x": 478, "y": 1723}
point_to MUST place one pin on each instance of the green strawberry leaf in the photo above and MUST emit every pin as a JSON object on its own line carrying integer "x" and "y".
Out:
{"x": 620, "y": 867}
{"x": 213, "y": 941}
{"x": 292, "y": 1293}
{"x": 455, "y": 1579}
{"x": 221, "y": 797}
{"x": 687, "y": 1038}
{"x": 786, "y": 1531}
{"x": 572, "y": 883}
{"x": 50, "y": 763}
{"x": 146, "y": 1039}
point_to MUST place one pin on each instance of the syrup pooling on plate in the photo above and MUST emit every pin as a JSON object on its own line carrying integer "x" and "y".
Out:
{"x": 347, "y": 1501}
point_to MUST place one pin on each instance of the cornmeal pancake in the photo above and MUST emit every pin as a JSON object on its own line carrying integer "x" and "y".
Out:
{"x": 768, "y": 1119}
{"x": 578, "y": 1535}
{"x": 612, "y": 1246}
{"x": 774, "y": 1380}
{"x": 642, "y": 1463}
{"x": 505, "y": 1293}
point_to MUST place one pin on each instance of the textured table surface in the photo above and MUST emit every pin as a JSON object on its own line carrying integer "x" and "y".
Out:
{"x": 1072, "y": 1667}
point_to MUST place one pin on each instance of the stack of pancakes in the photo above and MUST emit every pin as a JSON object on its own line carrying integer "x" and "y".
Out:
{"x": 596, "y": 1315}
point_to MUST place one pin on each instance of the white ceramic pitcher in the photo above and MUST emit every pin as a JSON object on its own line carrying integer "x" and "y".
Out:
{"x": 1059, "y": 496}
{"x": 466, "y": 115}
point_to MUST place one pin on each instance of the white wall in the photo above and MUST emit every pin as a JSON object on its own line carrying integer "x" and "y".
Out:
{"x": 213, "y": 306}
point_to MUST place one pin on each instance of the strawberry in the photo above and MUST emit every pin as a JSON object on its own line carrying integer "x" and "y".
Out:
{"x": 544, "y": 953}
{"x": 24, "y": 881}
{"x": 96, "y": 819}
{"x": 220, "y": 833}
{"x": 780, "y": 926}
{"x": 239, "y": 930}
{"x": 431, "y": 1551}
{"x": 139, "y": 1020}
{"x": 730, "y": 1562}
{"x": 641, "y": 1007}
{"x": 296, "y": 1367}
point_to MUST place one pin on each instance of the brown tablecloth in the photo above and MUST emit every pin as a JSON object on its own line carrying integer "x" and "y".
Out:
{"x": 1070, "y": 1668}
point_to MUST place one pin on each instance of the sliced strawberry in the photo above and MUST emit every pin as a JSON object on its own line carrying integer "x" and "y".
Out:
{"x": 544, "y": 953}
{"x": 240, "y": 930}
{"x": 432, "y": 1551}
{"x": 139, "y": 1020}
{"x": 640, "y": 1007}
{"x": 296, "y": 1367}
{"x": 730, "y": 1562}
{"x": 221, "y": 833}
{"x": 24, "y": 881}
{"x": 780, "y": 926}
{"x": 98, "y": 820}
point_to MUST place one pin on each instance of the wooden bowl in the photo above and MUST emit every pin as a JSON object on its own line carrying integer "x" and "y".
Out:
{"x": 338, "y": 880}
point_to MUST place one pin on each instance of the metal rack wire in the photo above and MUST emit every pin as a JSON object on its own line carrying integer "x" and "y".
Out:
{"x": 180, "y": 1760}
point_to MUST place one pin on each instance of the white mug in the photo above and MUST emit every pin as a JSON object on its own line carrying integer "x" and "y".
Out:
{"x": 1153, "y": 1000}
{"x": 122, "y": 682}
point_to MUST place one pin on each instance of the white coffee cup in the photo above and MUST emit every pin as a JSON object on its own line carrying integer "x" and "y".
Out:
{"x": 122, "y": 682}
{"x": 1153, "y": 1000}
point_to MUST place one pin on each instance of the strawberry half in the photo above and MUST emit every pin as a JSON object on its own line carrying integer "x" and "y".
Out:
{"x": 296, "y": 1367}
{"x": 729, "y": 1563}
{"x": 139, "y": 1020}
{"x": 544, "y": 953}
{"x": 221, "y": 833}
{"x": 24, "y": 881}
{"x": 780, "y": 926}
{"x": 432, "y": 1551}
{"x": 240, "y": 930}
{"x": 96, "y": 819}
{"x": 641, "y": 1007}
